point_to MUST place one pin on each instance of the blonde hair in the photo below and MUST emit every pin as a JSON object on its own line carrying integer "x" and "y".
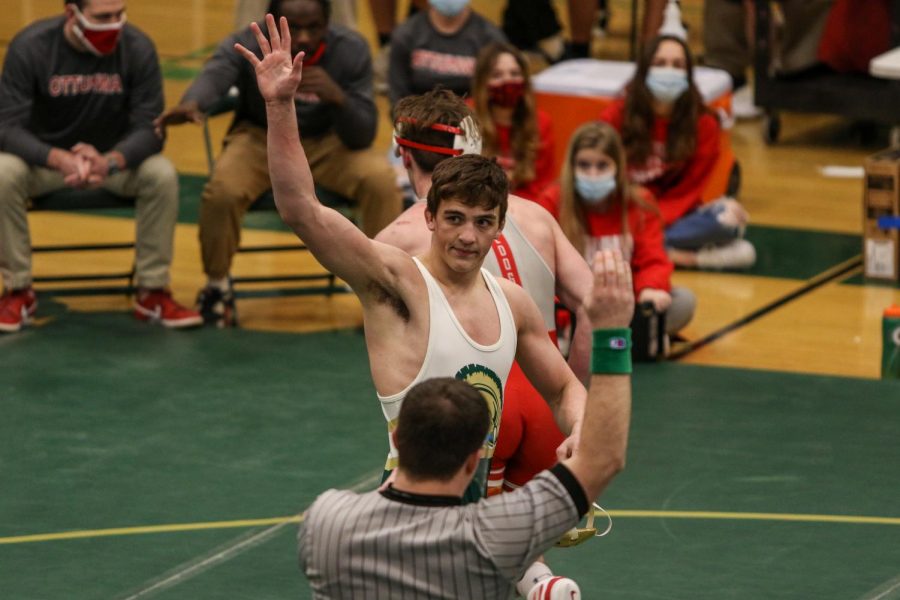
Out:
{"x": 604, "y": 138}
{"x": 524, "y": 140}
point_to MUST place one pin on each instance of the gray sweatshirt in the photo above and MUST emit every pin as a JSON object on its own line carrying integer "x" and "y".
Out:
{"x": 52, "y": 95}
{"x": 422, "y": 57}
{"x": 347, "y": 61}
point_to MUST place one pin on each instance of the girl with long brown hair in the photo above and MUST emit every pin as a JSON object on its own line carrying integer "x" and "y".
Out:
{"x": 513, "y": 128}
{"x": 598, "y": 209}
{"x": 672, "y": 143}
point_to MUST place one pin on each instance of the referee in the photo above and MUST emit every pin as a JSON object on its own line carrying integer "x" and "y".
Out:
{"x": 415, "y": 539}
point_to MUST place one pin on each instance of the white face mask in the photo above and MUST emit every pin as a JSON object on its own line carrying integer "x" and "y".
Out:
{"x": 667, "y": 84}
{"x": 595, "y": 190}
{"x": 449, "y": 8}
{"x": 99, "y": 39}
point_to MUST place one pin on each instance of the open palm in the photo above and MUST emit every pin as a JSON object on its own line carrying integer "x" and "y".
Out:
{"x": 276, "y": 74}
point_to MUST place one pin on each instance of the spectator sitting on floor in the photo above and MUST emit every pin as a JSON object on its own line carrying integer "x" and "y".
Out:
{"x": 672, "y": 142}
{"x": 77, "y": 99}
{"x": 438, "y": 46}
{"x": 513, "y": 129}
{"x": 598, "y": 209}
{"x": 337, "y": 116}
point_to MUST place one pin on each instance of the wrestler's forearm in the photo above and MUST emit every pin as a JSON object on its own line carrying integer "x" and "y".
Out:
{"x": 602, "y": 447}
{"x": 580, "y": 348}
{"x": 292, "y": 182}
{"x": 569, "y": 411}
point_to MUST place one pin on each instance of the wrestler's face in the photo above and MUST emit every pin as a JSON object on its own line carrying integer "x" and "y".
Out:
{"x": 464, "y": 233}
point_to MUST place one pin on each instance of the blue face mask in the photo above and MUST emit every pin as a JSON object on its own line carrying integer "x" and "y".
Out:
{"x": 595, "y": 190}
{"x": 449, "y": 8}
{"x": 667, "y": 84}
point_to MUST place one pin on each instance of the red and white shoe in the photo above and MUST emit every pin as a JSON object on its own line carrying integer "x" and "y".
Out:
{"x": 159, "y": 306}
{"x": 16, "y": 309}
{"x": 555, "y": 588}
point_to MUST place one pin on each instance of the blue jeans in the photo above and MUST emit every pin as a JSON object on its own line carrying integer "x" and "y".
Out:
{"x": 700, "y": 228}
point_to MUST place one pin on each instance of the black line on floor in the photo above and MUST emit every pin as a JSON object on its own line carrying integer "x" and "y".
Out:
{"x": 819, "y": 280}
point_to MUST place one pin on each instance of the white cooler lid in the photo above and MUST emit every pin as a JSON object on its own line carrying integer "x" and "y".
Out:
{"x": 591, "y": 77}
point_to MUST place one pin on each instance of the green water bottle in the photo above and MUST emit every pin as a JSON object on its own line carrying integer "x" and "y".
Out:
{"x": 890, "y": 351}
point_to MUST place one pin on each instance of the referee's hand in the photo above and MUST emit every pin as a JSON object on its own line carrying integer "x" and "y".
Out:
{"x": 611, "y": 301}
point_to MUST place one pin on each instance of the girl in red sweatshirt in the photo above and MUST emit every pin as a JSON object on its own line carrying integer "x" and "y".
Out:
{"x": 672, "y": 142}
{"x": 598, "y": 209}
{"x": 514, "y": 129}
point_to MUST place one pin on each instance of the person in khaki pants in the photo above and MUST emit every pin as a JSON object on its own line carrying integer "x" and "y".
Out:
{"x": 337, "y": 116}
{"x": 78, "y": 95}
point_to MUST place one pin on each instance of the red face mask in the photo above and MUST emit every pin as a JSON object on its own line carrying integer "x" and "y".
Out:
{"x": 99, "y": 39}
{"x": 506, "y": 94}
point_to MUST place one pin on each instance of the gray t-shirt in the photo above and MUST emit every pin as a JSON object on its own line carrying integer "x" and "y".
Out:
{"x": 396, "y": 545}
{"x": 347, "y": 61}
{"x": 422, "y": 57}
{"x": 52, "y": 95}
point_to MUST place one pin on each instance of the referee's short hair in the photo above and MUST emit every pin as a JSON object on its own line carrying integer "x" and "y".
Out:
{"x": 441, "y": 423}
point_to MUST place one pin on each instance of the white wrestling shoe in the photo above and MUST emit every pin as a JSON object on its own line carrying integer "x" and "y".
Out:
{"x": 555, "y": 588}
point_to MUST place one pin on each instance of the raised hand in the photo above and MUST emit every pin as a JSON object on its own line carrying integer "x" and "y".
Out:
{"x": 276, "y": 74}
{"x": 611, "y": 301}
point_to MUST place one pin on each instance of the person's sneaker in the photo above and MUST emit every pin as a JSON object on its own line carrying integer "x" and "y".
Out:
{"x": 159, "y": 306}
{"x": 739, "y": 254}
{"x": 555, "y": 588}
{"x": 217, "y": 307}
{"x": 16, "y": 309}
{"x": 743, "y": 105}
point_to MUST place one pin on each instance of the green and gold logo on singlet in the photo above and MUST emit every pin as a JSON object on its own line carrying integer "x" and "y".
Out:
{"x": 486, "y": 381}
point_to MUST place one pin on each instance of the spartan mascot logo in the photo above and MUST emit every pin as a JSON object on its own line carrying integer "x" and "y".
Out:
{"x": 486, "y": 381}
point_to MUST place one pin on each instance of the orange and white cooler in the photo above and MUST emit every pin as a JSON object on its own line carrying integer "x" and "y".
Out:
{"x": 574, "y": 92}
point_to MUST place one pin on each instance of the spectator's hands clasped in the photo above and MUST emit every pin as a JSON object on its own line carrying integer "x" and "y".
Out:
{"x": 276, "y": 74}
{"x": 317, "y": 81}
{"x": 98, "y": 164}
{"x": 75, "y": 169}
{"x": 611, "y": 301}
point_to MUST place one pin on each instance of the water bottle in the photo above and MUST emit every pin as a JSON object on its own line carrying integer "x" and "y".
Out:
{"x": 890, "y": 353}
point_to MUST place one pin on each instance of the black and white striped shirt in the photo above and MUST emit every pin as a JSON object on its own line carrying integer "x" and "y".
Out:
{"x": 393, "y": 544}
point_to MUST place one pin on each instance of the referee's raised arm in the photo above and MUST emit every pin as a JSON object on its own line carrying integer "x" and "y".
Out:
{"x": 600, "y": 453}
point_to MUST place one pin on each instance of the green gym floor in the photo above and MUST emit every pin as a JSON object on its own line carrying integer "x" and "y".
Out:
{"x": 142, "y": 463}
